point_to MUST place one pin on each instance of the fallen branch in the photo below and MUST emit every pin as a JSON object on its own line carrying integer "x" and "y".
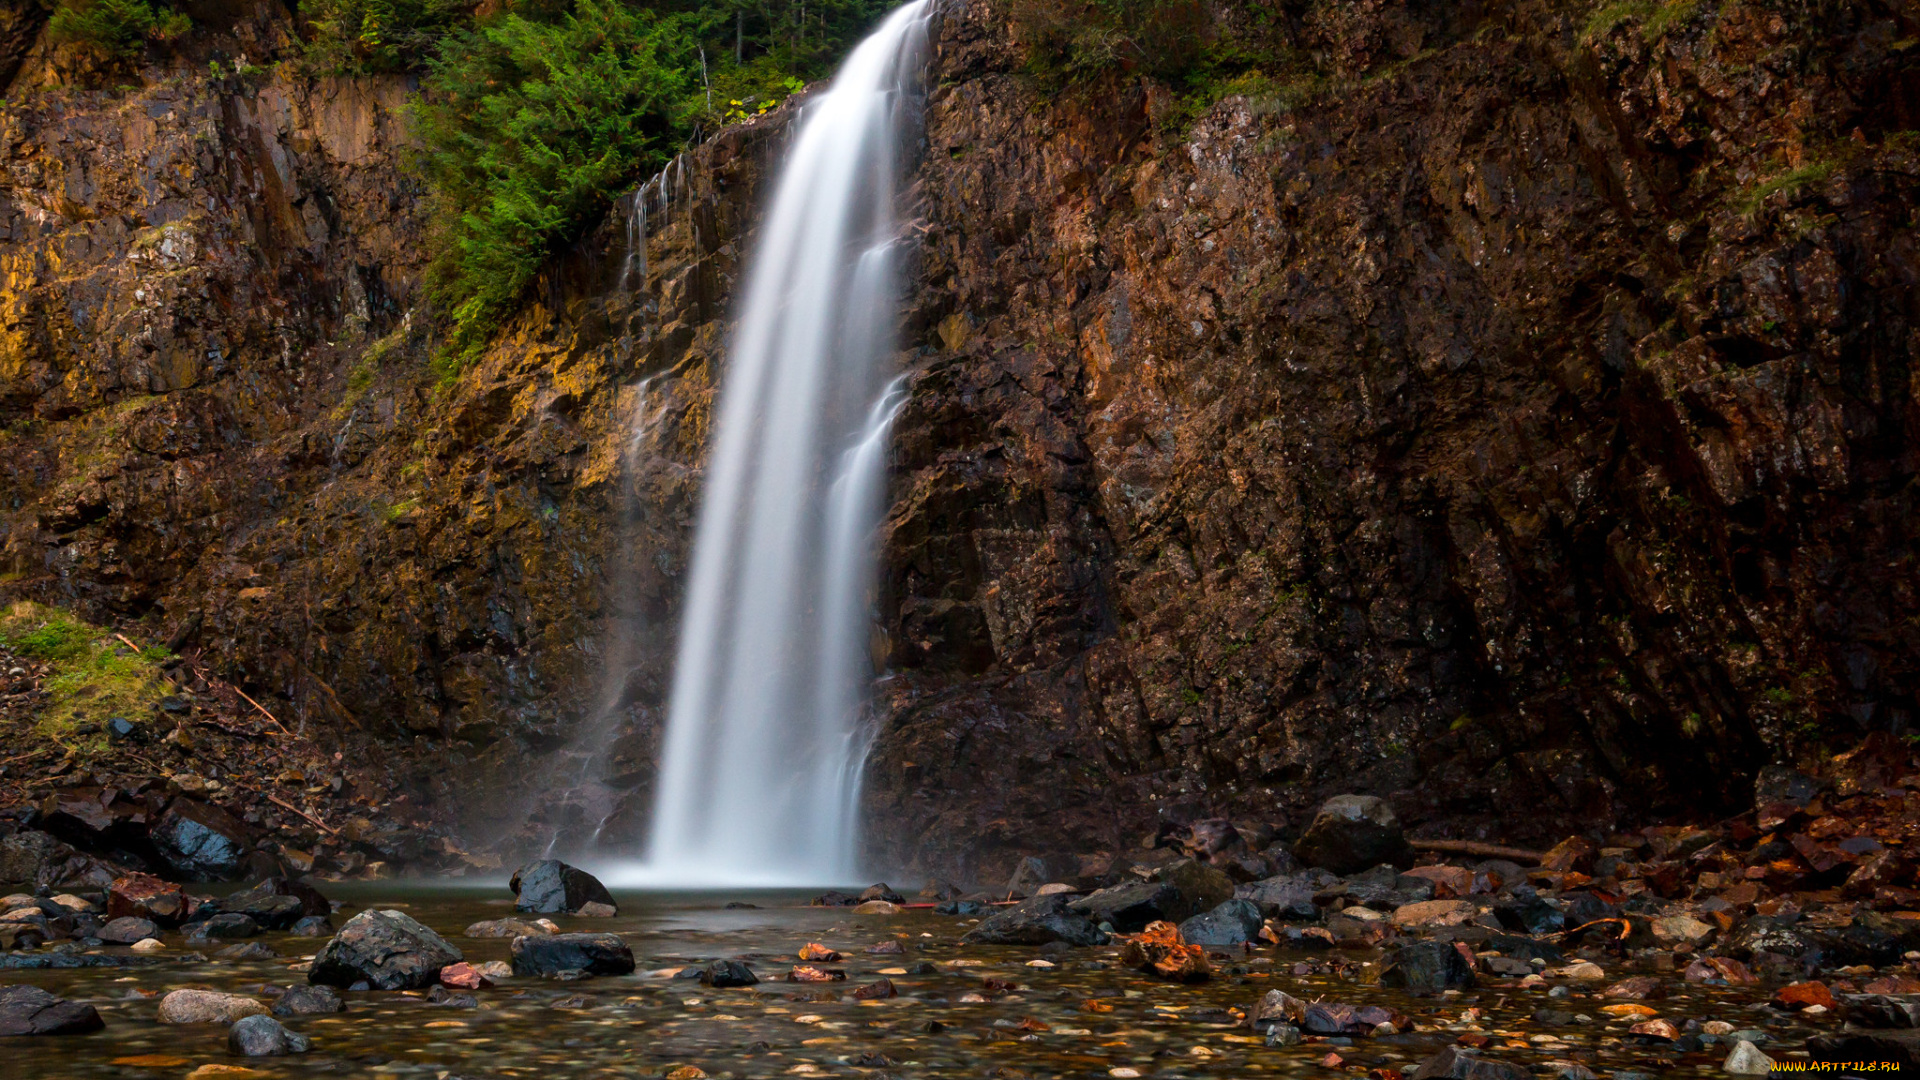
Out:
{"x": 213, "y": 681}
{"x": 1475, "y": 847}
{"x": 278, "y": 801}
{"x": 1626, "y": 928}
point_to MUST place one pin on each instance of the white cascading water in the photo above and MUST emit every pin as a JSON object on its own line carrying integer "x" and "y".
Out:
{"x": 765, "y": 738}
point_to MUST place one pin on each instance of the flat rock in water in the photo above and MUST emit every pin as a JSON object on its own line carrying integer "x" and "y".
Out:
{"x": 1429, "y": 966}
{"x": 309, "y": 1000}
{"x": 551, "y": 887}
{"x": 263, "y": 1036}
{"x": 207, "y": 1007}
{"x": 722, "y": 974}
{"x": 1232, "y": 923}
{"x": 1459, "y": 1063}
{"x": 29, "y": 1010}
{"x": 504, "y": 928}
{"x": 591, "y": 954}
{"x": 54, "y": 961}
{"x": 1286, "y": 897}
{"x": 1350, "y": 833}
{"x": 1036, "y": 922}
{"x": 386, "y": 949}
{"x": 278, "y": 903}
{"x": 1128, "y": 908}
{"x": 227, "y": 925}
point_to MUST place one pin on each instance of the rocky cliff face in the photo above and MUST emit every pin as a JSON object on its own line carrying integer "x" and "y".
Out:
{"x": 1507, "y": 415}
{"x": 1502, "y": 412}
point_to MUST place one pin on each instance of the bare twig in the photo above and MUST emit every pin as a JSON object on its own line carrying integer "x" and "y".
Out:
{"x": 278, "y": 801}
{"x": 1475, "y": 847}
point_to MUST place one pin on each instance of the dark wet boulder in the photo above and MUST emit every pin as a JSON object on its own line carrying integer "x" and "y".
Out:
{"x": 1350, "y": 833}
{"x": 1526, "y": 912}
{"x": 551, "y": 887}
{"x": 1879, "y": 1011}
{"x": 29, "y": 1010}
{"x": 32, "y": 856}
{"x": 882, "y": 891}
{"x": 226, "y": 925}
{"x": 387, "y": 950}
{"x": 1201, "y": 888}
{"x": 312, "y": 926}
{"x": 959, "y": 907}
{"x": 1235, "y": 922}
{"x": 724, "y": 974}
{"x": 1384, "y": 888}
{"x": 1873, "y": 938}
{"x": 127, "y": 929}
{"x": 144, "y": 896}
{"x": 1429, "y": 966}
{"x": 277, "y": 903}
{"x": 200, "y": 842}
{"x": 1784, "y": 784}
{"x": 1769, "y": 935}
{"x": 1334, "y": 1018}
{"x": 553, "y": 954}
{"x": 1129, "y": 908}
{"x": 246, "y": 950}
{"x": 1287, "y": 897}
{"x": 834, "y": 898}
{"x": 1460, "y": 1063}
{"x": 1036, "y": 922}
{"x": 263, "y": 1036}
{"x": 1897, "y": 1052}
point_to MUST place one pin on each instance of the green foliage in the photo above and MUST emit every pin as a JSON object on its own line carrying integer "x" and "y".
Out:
{"x": 114, "y": 28}
{"x": 92, "y": 677}
{"x": 1789, "y": 182}
{"x": 1067, "y": 41}
{"x": 378, "y": 35}
{"x": 1656, "y": 18}
{"x": 526, "y": 131}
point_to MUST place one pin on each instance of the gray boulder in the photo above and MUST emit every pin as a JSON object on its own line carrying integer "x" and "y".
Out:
{"x": 263, "y": 1036}
{"x": 1235, "y": 922}
{"x": 29, "y": 1010}
{"x": 1350, "y": 833}
{"x": 551, "y": 887}
{"x": 1036, "y": 922}
{"x": 589, "y": 954}
{"x": 386, "y": 949}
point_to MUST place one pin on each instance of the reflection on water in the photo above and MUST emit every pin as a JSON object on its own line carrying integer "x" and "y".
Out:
{"x": 1080, "y": 1016}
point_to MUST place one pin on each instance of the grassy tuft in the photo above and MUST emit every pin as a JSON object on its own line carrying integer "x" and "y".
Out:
{"x": 1789, "y": 182}
{"x": 94, "y": 677}
{"x": 114, "y": 28}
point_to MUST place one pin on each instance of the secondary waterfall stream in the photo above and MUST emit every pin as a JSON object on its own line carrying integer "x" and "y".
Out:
{"x": 765, "y": 742}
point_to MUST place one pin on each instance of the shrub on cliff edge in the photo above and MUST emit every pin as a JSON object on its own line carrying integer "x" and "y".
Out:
{"x": 526, "y": 131}
{"x": 114, "y": 28}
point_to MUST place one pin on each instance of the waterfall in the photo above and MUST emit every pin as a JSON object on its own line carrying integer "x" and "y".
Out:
{"x": 765, "y": 737}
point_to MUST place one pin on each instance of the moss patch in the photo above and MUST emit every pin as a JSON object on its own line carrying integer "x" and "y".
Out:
{"x": 92, "y": 676}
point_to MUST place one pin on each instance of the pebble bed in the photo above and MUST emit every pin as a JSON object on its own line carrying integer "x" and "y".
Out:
{"x": 962, "y": 1011}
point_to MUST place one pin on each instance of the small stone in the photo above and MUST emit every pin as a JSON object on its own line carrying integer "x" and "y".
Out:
{"x": 230, "y": 925}
{"x": 463, "y": 976}
{"x": 1638, "y": 988}
{"x": 1283, "y": 1035}
{"x": 246, "y": 950}
{"x": 878, "y": 907}
{"x": 1350, "y": 833}
{"x": 1434, "y": 913}
{"x": 149, "y": 945}
{"x": 312, "y": 926}
{"x": 309, "y": 1000}
{"x": 495, "y": 970}
{"x": 263, "y": 1036}
{"x": 207, "y": 1007}
{"x": 126, "y": 930}
{"x": 1747, "y": 1060}
{"x": 594, "y": 909}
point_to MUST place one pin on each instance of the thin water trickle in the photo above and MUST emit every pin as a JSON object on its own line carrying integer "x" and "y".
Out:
{"x": 765, "y": 739}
